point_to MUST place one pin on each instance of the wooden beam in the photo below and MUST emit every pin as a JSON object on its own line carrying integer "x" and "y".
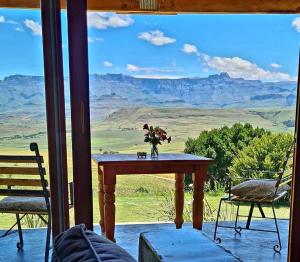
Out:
{"x": 55, "y": 109}
{"x": 178, "y": 6}
{"x": 80, "y": 112}
{"x": 202, "y": 6}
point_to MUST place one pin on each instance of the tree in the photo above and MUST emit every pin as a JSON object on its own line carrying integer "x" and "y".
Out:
{"x": 222, "y": 144}
{"x": 267, "y": 153}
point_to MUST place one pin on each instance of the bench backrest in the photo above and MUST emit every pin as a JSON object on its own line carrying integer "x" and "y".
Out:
{"x": 23, "y": 175}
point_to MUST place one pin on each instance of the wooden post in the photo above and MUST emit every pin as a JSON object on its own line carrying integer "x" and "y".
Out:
{"x": 179, "y": 199}
{"x": 109, "y": 184}
{"x": 101, "y": 199}
{"x": 80, "y": 111}
{"x": 199, "y": 178}
{"x": 294, "y": 236}
{"x": 55, "y": 107}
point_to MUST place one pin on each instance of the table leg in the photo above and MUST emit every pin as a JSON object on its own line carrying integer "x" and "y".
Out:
{"x": 199, "y": 178}
{"x": 101, "y": 199}
{"x": 109, "y": 204}
{"x": 179, "y": 199}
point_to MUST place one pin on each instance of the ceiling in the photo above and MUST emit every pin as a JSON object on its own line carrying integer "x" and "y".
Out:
{"x": 177, "y": 6}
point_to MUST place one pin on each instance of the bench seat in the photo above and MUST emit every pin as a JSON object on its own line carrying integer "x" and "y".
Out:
{"x": 23, "y": 204}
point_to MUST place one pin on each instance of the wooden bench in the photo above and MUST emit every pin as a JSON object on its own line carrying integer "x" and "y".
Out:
{"x": 23, "y": 183}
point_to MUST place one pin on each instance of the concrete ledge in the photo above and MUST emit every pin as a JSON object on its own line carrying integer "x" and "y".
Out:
{"x": 180, "y": 245}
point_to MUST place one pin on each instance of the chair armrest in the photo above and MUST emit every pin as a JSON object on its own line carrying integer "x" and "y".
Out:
{"x": 262, "y": 171}
{"x": 250, "y": 178}
{"x": 228, "y": 183}
{"x": 285, "y": 180}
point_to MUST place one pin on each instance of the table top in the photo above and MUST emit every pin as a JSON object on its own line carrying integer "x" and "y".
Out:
{"x": 123, "y": 158}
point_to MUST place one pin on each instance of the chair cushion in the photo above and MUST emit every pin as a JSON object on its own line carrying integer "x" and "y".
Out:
{"x": 22, "y": 203}
{"x": 262, "y": 188}
{"x": 78, "y": 244}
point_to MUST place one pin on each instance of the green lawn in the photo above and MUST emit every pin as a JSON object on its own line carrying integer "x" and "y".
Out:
{"x": 142, "y": 198}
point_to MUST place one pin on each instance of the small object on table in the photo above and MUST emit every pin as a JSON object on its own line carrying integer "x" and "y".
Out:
{"x": 141, "y": 154}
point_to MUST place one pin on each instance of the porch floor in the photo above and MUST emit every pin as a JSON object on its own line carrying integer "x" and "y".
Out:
{"x": 249, "y": 246}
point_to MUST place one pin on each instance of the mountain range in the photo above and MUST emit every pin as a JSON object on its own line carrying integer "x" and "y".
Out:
{"x": 114, "y": 91}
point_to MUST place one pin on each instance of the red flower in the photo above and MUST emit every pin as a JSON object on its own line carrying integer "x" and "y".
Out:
{"x": 155, "y": 135}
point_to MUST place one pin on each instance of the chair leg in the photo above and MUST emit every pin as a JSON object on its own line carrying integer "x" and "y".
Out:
{"x": 261, "y": 210}
{"x": 48, "y": 239}
{"x": 250, "y": 215}
{"x": 21, "y": 243}
{"x": 236, "y": 228}
{"x": 217, "y": 222}
{"x": 277, "y": 247}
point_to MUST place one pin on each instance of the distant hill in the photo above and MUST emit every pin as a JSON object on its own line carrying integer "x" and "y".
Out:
{"x": 121, "y": 104}
{"x": 114, "y": 91}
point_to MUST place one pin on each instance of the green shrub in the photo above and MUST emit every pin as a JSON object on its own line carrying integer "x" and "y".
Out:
{"x": 222, "y": 144}
{"x": 33, "y": 221}
{"x": 268, "y": 152}
{"x": 167, "y": 209}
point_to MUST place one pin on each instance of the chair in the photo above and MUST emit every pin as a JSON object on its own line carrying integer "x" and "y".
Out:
{"x": 28, "y": 194}
{"x": 272, "y": 190}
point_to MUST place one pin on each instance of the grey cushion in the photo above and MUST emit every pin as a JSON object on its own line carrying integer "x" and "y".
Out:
{"x": 78, "y": 244}
{"x": 262, "y": 188}
{"x": 21, "y": 203}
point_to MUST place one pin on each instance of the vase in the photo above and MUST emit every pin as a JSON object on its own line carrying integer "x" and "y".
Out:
{"x": 154, "y": 151}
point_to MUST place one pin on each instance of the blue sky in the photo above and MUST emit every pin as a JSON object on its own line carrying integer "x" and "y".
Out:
{"x": 261, "y": 47}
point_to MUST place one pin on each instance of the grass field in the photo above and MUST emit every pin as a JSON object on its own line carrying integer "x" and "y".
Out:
{"x": 140, "y": 198}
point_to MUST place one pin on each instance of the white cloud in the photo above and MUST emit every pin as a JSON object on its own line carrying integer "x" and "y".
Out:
{"x": 239, "y": 67}
{"x": 19, "y": 29}
{"x": 296, "y": 24}
{"x": 106, "y": 20}
{"x": 95, "y": 39}
{"x": 3, "y": 20}
{"x": 156, "y": 38}
{"x": 150, "y": 70}
{"x": 173, "y": 62}
{"x": 132, "y": 68}
{"x": 12, "y": 22}
{"x": 99, "y": 39}
{"x": 275, "y": 65}
{"x": 35, "y": 27}
{"x": 107, "y": 64}
{"x": 190, "y": 49}
{"x": 158, "y": 76}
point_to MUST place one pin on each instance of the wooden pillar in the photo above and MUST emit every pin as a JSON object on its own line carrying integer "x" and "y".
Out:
{"x": 80, "y": 111}
{"x": 294, "y": 236}
{"x": 55, "y": 107}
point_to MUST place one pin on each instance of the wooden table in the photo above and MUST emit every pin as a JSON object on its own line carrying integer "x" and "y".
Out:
{"x": 111, "y": 165}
